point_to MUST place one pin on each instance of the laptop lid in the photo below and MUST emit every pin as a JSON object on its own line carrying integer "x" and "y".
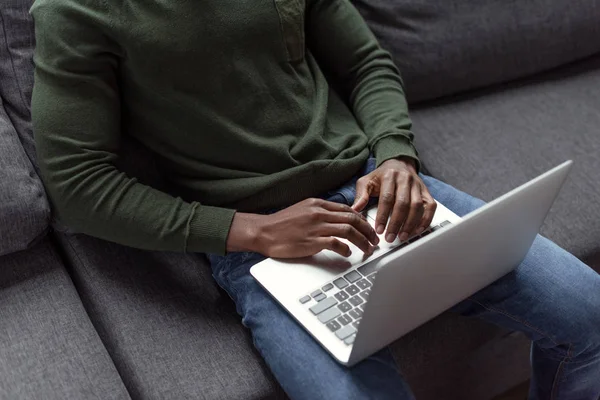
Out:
{"x": 414, "y": 286}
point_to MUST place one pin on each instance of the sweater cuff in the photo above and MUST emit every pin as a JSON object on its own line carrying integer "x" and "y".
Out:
{"x": 395, "y": 146}
{"x": 208, "y": 230}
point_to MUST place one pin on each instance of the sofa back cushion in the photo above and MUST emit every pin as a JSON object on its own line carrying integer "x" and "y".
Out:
{"x": 448, "y": 46}
{"x": 24, "y": 209}
{"x": 16, "y": 66}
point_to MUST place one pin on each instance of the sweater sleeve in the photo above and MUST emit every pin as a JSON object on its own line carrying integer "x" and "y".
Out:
{"x": 76, "y": 119}
{"x": 349, "y": 53}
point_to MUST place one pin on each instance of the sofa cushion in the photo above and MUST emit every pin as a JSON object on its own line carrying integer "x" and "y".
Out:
{"x": 24, "y": 210}
{"x": 489, "y": 142}
{"x": 17, "y": 43}
{"x": 48, "y": 346}
{"x": 444, "y": 47}
{"x": 170, "y": 331}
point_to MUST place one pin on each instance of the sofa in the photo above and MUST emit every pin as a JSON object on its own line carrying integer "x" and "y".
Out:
{"x": 500, "y": 91}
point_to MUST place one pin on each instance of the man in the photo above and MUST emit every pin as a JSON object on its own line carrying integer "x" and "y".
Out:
{"x": 233, "y": 99}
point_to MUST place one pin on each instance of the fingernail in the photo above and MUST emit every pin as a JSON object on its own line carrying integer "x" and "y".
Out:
{"x": 403, "y": 236}
{"x": 380, "y": 229}
{"x": 390, "y": 237}
{"x": 376, "y": 240}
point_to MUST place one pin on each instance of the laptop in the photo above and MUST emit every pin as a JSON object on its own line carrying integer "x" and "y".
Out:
{"x": 356, "y": 306}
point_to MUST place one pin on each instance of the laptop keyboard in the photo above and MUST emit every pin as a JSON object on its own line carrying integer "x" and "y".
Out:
{"x": 340, "y": 303}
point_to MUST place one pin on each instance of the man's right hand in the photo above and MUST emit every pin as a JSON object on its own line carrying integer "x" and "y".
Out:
{"x": 301, "y": 230}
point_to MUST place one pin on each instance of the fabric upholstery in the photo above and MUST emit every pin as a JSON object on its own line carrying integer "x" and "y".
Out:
{"x": 24, "y": 211}
{"x": 444, "y": 47}
{"x": 171, "y": 333}
{"x": 48, "y": 346}
{"x": 16, "y": 66}
{"x": 491, "y": 141}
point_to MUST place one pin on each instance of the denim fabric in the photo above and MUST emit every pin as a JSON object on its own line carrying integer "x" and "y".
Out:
{"x": 552, "y": 297}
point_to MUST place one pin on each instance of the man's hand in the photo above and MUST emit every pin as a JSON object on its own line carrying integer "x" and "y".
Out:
{"x": 402, "y": 196}
{"x": 301, "y": 230}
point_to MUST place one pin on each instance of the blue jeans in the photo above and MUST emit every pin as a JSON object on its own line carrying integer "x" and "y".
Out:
{"x": 552, "y": 297}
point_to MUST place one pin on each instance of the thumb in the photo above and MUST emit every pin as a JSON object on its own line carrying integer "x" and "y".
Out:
{"x": 363, "y": 194}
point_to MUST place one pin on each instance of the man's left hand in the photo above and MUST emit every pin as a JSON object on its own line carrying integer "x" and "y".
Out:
{"x": 403, "y": 199}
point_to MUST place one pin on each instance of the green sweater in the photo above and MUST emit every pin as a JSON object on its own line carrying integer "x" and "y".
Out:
{"x": 231, "y": 96}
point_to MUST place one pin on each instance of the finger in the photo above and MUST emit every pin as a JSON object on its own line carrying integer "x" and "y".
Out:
{"x": 387, "y": 196}
{"x": 351, "y": 234}
{"x": 415, "y": 214}
{"x": 364, "y": 188}
{"x": 358, "y": 221}
{"x": 430, "y": 207}
{"x": 335, "y": 245}
{"x": 338, "y": 207}
{"x": 400, "y": 210}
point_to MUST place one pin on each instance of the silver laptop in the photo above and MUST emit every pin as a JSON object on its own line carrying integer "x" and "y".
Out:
{"x": 355, "y": 306}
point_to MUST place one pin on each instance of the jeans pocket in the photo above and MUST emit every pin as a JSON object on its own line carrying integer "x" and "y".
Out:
{"x": 291, "y": 18}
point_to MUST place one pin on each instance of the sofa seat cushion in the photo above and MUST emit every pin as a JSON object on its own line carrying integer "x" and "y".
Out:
{"x": 24, "y": 210}
{"x": 444, "y": 47}
{"x": 170, "y": 331}
{"x": 48, "y": 346}
{"x": 492, "y": 141}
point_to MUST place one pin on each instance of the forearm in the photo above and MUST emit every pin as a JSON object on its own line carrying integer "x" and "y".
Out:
{"x": 366, "y": 75}
{"x": 93, "y": 197}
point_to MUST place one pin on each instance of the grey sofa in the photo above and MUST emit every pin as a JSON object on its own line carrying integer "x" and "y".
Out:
{"x": 83, "y": 318}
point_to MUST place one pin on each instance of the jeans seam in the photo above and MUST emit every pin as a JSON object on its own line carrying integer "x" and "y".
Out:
{"x": 526, "y": 323}
{"x": 559, "y": 373}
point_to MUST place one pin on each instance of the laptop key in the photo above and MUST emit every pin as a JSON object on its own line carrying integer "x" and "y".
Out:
{"x": 333, "y": 326}
{"x": 443, "y": 224}
{"x": 341, "y": 296}
{"x": 320, "y": 297}
{"x": 346, "y": 331}
{"x": 305, "y": 299}
{"x": 315, "y": 293}
{"x": 352, "y": 290}
{"x": 365, "y": 294}
{"x": 323, "y": 305}
{"x": 355, "y": 313}
{"x": 327, "y": 287}
{"x": 355, "y": 324}
{"x": 372, "y": 278}
{"x": 363, "y": 284}
{"x": 356, "y": 301}
{"x": 328, "y": 315}
{"x": 344, "y": 306}
{"x": 367, "y": 269}
{"x": 340, "y": 283}
{"x": 352, "y": 276}
{"x": 362, "y": 307}
{"x": 344, "y": 320}
{"x": 435, "y": 228}
{"x": 349, "y": 340}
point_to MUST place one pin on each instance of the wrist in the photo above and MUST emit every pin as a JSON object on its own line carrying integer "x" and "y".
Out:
{"x": 405, "y": 160}
{"x": 244, "y": 232}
